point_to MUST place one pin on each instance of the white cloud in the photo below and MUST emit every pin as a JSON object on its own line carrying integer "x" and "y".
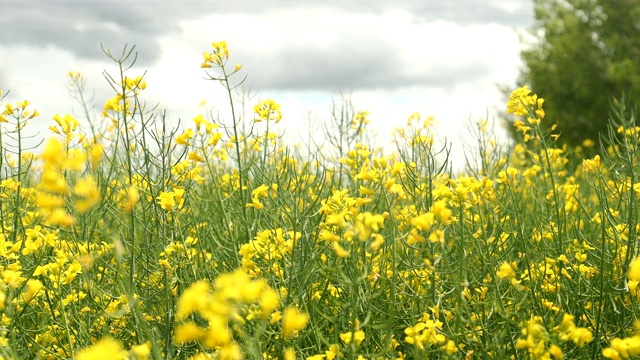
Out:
{"x": 458, "y": 66}
{"x": 302, "y": 57}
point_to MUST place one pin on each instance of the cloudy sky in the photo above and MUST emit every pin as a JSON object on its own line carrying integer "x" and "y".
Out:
{"x": 441, "y": 58}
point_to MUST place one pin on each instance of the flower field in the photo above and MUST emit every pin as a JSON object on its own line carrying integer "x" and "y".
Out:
{"x": 125, "y": 238}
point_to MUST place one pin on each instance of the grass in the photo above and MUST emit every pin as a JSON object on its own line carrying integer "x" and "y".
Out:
{"x": 219, "y": 241}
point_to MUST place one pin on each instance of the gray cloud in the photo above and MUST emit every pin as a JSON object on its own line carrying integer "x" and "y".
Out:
{"x": 338, "y": 66}
{"x": 79, "y": 26}
{"x": 353, "y": 63}
{"x": 461, "y": 12}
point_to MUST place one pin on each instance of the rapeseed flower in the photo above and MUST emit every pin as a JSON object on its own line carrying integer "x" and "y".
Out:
{"x": 267, "y": 110}
{"x": 293, "y": 320}
{"x": 634, "y": 270}
{"x": 68, "y": 124}
{"x": 188, "y": 332}
{"x": 33, "y": 289}
{"x": 194, "y": 299}
{"x": 185, "y": 137}
{"x": 357, "y": 337}
{"x": 87, "y": 191}
{"x": 142, "y": 351}
{"x": 100, "y": 350}
{"x": 506, "y": 271}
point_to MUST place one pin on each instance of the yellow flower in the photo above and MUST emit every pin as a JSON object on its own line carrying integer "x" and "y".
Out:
{"x": 520, "y": 103}
{"x": 188, "y": 332}
{"x": 171, "y": 200}
{"x": 87, "y": 189}
{"x": 334, "y": 352}
{"x": 135, "y": 84}
{"x": 166, "y": 200}
{"x": 72, "y": 271}
{"x": 269, "y": 301}
{"x": 378, "y": 240}
{"x": 293, "y": 320}
{"x": 95, "y": 155}
{"x": 216, "y": 57}
{"x": 142, "y": 351}
{"x": 207, "y": 60}
{"x": 214, "y": 139}
{"x": 193, "y": 299}
{"x": 339, "y": 250}
{"x": 591, "y": 165}
{"x": 230, "y": 351}
{"x": 195, "y": 157}
{"x": 267, "y": 110}
{"x": 260, "y": 191}
{"x": 12, "y": 278}
{"x": 623, "y": 348}
{"x": 75, "y": 160}
{"x": 48, "y": 201}
{"x": 75, "y": 76}
{"x": 349, "y": 336}
{"x": 105, "y": 348}
{"x": 132, "y": 195}
{"x": 414, "y": 335}
{"x": 68, "y": 124}
{"x": 365, "y": 191}
{"x": 33, "y": 287}
{"x": 218, "y": 333}
{"x": 450, "y": 347}
{"x": 611, "y": 353}
{"x": 515, "y": 104}
{"x": 275, "y": 317}
{"x": 3, "y": 299}
{"x": 183, "y": 139}
{"x": 505, "y": 271}
{"x": 289, "y": 354}
{"x": 423, "y": 221}
{"x": 581, "y": 336}
{"x": 555, "y": 351}
{"x": 53, "y": 153}
{"x": 634, "y": 270}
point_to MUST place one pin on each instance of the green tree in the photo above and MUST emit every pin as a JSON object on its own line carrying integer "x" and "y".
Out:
{"x": 582, "y": 53}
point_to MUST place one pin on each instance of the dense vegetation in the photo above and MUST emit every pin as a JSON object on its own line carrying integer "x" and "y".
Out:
{"x": 583, "y": 54}
{"x": 218, "y": 241}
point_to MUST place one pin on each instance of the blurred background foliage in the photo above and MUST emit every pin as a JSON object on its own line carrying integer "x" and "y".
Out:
{"x": 579, "y": 56}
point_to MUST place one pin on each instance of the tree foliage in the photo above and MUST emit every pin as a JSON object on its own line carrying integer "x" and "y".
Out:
{"x": 585, "y": 53}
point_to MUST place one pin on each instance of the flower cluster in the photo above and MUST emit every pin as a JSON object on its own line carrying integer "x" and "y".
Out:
{"x": 232, "y": 299}
{"x": 267, "y": 110}
{"x": 522, "y": 104}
